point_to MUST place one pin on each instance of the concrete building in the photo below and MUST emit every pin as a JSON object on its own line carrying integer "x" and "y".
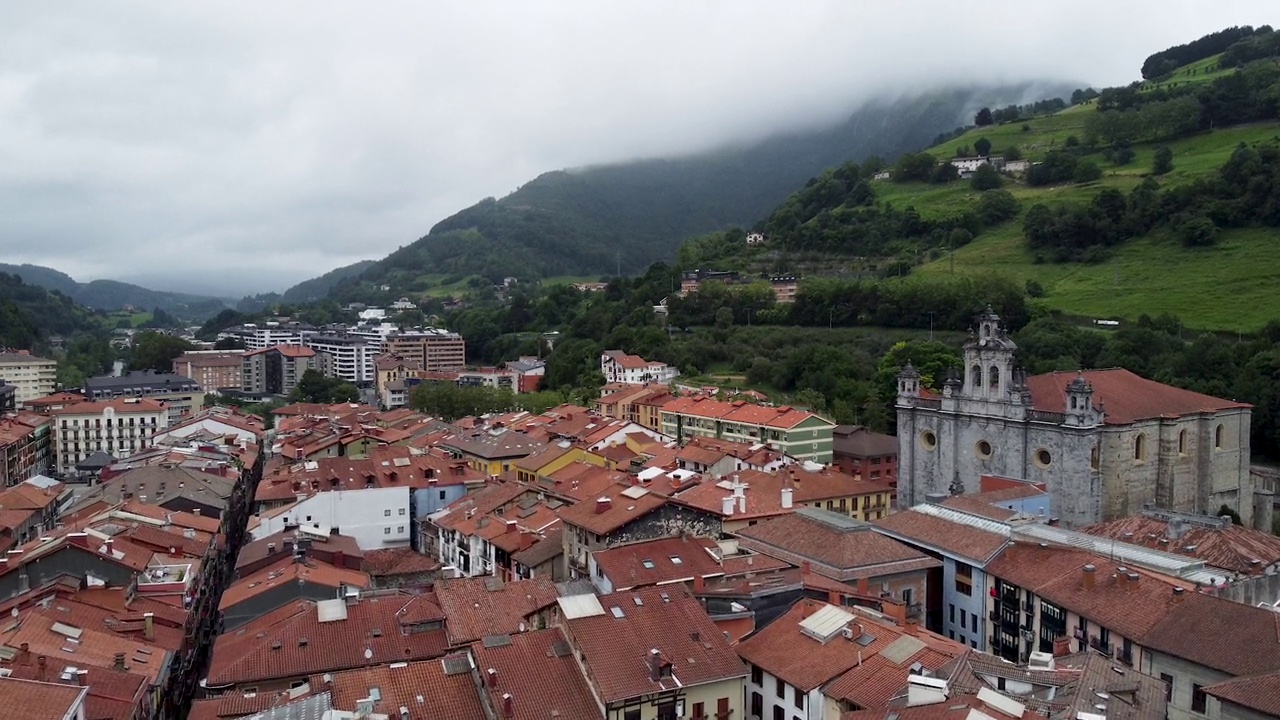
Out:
{"x": 26, "y": 446}
{"x": 1104, "y": 442}
{"x": 117, "y": 427}
{"x": 212, "y": 370}
{"x": 617, "y": 366}
{"x": 180, "y": 395}
{"x": 257, "y": 337}
{"x": 32, "y": 376}
{"x": 375, "y": 517}
{"x": 870, "y": 455}
{"x": 434, "y": 350}
{"x": 350, "y": 357}
{"x": 276, "y": 370}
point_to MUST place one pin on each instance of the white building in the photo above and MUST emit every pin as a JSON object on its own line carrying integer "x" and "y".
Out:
{"x": 617, "y": 366}
{"x": 218, "y": 421}
{"x": 350, "y": 356}
{"x": 403, "y": 304}
{"x": 375, "y": 517}
{"x": 33, "y": 376}
{"x": 118, "y": 427}
{"x": 270, "y": 334}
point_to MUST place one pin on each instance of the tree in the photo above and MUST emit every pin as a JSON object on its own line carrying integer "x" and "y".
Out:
{"x": 1198, "y": 232}
{"x": 156, "y": 351}
{"x": 1123, "y": 156}
{"x": 1235, "y": 516}
{"x": 982, "y": 146}
{"x": 315, "y": 387}
{"x": 996, "y": 206}
{"x": 986, "y": 177}
{"x": 1013, "y": 152}
{"x": 983, "y": 118}
{"x": 1162, "y": 164}
{"x": 229, "y": 343}
{"x": 1086, "y": 171}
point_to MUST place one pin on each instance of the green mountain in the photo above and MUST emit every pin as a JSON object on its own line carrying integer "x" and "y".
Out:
{"x": 113, "y": 295}
{"x": 596, "y": 220}
{"x": 1096, "y": 227}
{"x": 31, "y": 314}
{"x": 317, "y": 288}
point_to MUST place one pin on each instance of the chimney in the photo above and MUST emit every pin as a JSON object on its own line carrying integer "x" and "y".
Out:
{"x": 195, "y": 511}
{"x": 786, "y": 498}
{"x": 726, "y": 506}
{"x": 655, "y": 665}
{"x": 1087, "y": 576}
{"x": 149, "y": 626}
{"x": 698, "y": 583}
{"x": 1178, "y": 593}
{"x": 603, "y": 504}
{"x": 742, "y": 504}
{"x": 1122, "y": 578}
{"x": 508, "y": 706}
{"x": 82, "y": 677}
{"x": 492, "y": 676}
{"x": 805, "y": 567}
{"x": 110, "y": 544}
{"x": 912, "y": 627}
{"x": 404, "y": 712}
{"x": 511, "y": 526}
{"x": 119, "y": 662}
{"x": 1061, "y": 646}
{"x": 42, "y": 668}
{"x": 1133, "y": 579}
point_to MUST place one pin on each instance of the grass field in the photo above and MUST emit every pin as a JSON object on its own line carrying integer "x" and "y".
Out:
{"x": 1193, "y": 74}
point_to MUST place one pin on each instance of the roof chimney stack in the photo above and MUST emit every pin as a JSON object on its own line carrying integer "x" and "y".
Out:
{"x": 787, "y": 498}
{"x": 492, "y": 676}
{"x": 511, "y": 526}
{"x": 603, "y": 504}
{"x": 149, "y": 626}
{"x": 726, "y": 506}
{"x": 655, "y": 665}
{"x": 1178, "y": 593}
{"x": 508, "y": 706}
{"x": 1087, "y": 576}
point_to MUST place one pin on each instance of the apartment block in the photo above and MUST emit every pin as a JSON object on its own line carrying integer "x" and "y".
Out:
{"x": 212, "y": 370}
{"x": 799, "y": 433}
{"x": 350, "y": 357}
{"x": 116, "y": 427}
{"x": 276, "y": 370}
{"x": 434, "y": 350}
{"x": 180, "y": 395}
{"x": 33, "y": 376}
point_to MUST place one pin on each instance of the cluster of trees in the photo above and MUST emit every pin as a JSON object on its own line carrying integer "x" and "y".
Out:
{"x": 1166, "y": 61}
{"x": 1010, "y": 113}
{"x": 1066, "y": 165}
{"x": 1245, "y": 191}
{"x": 449, "y": 401}
{"x": 316, "y": 387}
{"x": 153, "y": 350}
{"x": 1264, "y": 43}
{"x": 1148, "y": 122}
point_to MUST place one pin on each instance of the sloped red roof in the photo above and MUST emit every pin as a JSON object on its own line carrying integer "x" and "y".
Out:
{"x": 475, "y": 607}
{"x": 425, "y": 687}
{"x": 540, "y": 673}
{"x": 656, "y": 562}
{"x": 1125, "y": 397}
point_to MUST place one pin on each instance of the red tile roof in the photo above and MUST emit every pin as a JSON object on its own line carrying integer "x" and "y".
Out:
{"x": 428, "y": 689}
{"x": 1228, "y": 636}
{"x": 121, "y": 406}
{"x": 98, "y": 646}
{"x": 41, "y": 700}
{"x": 966, "y": 541}
{"x": 653, "y": 562}
{"x": 285, "y": 572}
{"x": 1256, "y": 692}
{"x": 783, "y": 417}
{"x": 1218, "y": 542}
{"x": 268, "y": 647}
{"x": 615, "y": 512}
{"x": 540, "y": 673}
{"x": 388, "y": 562}
{"x": 1124, "y": 396}
{"x": 291, "y": 351}
{"x": 113, "y": 695}
{"x": 616, "y": 646}
{"x": 475, "y": 607}
{"x": 840, "y": 548}
{"x": 764, "y": 490}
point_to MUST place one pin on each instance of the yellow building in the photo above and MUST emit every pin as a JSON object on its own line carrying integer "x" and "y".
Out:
{"x": 759, "y": 495}
{"x": 553, "y": 458}
{"x": 493, "y": 452}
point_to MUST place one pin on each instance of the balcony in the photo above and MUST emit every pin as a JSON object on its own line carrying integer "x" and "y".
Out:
{"x": 1100, "y": 645}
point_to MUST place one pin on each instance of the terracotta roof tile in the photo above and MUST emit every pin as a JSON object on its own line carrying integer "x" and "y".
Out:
{"x": 616, "y": 645}
{"x": 618, "y": 509}
{"x": 41, "y": 700}
{"x": 1219, "y": 543}
{"x": 475, "y": 607}
{"x": 540, "y": 673}
{"x": 861, "y": 441}
{"x": 546, "y": 549}
{"x": 268, "y": 647}
{"x": 839, "y": 547}
{"x": 286, "y": 572}
{"x": 387, "y": 562}
{"x": 764, "y": 490}
{"x": 653, "y": 562}
{"x": 1124, "y": 396}
{"x": 968, "y": 542}
{"x": 1232, "y": 637}
{"x": 1256, "y": 692}
{"x": 426, "y": 688}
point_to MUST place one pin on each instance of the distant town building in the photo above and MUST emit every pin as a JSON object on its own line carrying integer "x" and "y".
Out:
{"x": 784, "y": 287}
{"x": 116, "y": 427}
{"x": 433, "y": 349}
{"x": 212, "y": 370}
{"x": 870, "y": 455}
{"x": 276, "y": 370}
{"x": 180, "y": 395}
{"x": 755, "y": 238}
{"x": 349, "y": 357}
{"x": 617, "y": 366}
{"x": 799, "y": 433}
{"x": 32, "y": 376}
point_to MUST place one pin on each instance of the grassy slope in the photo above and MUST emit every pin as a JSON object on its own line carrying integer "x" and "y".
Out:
{"x": 1229, "y": 287}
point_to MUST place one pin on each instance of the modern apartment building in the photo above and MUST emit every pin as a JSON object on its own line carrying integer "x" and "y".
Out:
{"x": 33, "y": 376}
{"x": 181, "y": 395}
{"x": 118, "y": 427}
{"x": 350, "y": 356}
{"x": 276, "y": 370}
{"x": 258, "y": 337}
{"x": 434, "y": 350}
{"x": 798, "y": 433}
{"x": 212, "y": 370}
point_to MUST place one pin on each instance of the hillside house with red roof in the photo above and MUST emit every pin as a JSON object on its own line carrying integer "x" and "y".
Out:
{"x": 1104, "y": 442}
{"x": 617, "y": 366}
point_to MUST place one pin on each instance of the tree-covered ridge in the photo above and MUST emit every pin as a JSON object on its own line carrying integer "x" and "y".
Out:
{"x": 30, "y": 314}
{"x": 1166, "y": 61}
{"x": 113, "y": 295}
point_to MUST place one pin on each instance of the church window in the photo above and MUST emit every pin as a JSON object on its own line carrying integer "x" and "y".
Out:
{"x": 1043, "y": 458}
{"x": 1140, "y": 447}
{"x": 1217, "y": 437}
{"x": 1073, "y": 402}
{"x": 984, "y": 449}
{"x": 1093, "y": 458}
{"x": 928, "y": 440}
{"x": 1182, "y": 442}
{"x": 976, "y": 373}
{"x": 993, "y": 377}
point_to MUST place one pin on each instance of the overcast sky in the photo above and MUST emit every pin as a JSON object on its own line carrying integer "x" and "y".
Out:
{"x": 244, "y": 146}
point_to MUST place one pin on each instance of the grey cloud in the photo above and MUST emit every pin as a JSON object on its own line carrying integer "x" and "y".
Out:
{"x": 246, "y": 146}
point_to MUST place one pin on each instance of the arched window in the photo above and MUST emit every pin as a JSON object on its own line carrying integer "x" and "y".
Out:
{"x": 1073, "y": 402}
{"x": 1140, "y": 447}
{"x": 993, "y": 377}
{"x": 976, "y": 373}
{"x": 1182, "y": 442}
{"x": 1093, "y": 458}
{"x": 1217, "y": 436}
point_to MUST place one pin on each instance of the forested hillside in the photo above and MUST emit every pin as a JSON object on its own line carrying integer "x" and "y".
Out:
{"x": 30, "y": 314}
{"x": 317, "y": 288}
{"x": 593, "y": 220}
{"x": 113, "y": 295}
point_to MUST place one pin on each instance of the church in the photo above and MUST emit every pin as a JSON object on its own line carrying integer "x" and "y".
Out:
{"x": 1103, "y": 442}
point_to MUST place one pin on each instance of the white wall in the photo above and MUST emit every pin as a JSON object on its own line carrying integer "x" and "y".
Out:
{"x": 375, "y": 517}
{"x": 210, "y": 425}
{"x": 813, "y": 703}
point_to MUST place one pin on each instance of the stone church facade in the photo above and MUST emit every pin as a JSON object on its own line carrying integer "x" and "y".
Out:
{"x": 1104, "y": 442}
